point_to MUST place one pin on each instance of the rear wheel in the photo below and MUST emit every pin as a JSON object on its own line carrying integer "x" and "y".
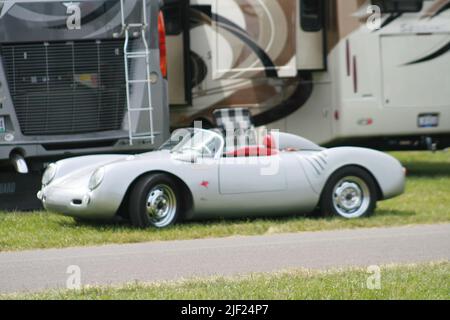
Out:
{"x": 350, "y": 193}
{"x": 155, "y": 202}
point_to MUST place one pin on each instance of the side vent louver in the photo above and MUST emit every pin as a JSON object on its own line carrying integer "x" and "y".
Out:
{"x": 318, "y": 162}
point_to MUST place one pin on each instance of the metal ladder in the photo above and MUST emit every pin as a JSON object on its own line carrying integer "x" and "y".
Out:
{"x": 134, "y": 136}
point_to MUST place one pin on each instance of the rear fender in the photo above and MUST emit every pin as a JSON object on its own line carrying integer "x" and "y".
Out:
{"x": 386, "y": 170}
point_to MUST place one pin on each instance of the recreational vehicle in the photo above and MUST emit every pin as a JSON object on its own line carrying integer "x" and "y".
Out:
{"x": 373, "y": 73}
{"x": 76, "y": 78}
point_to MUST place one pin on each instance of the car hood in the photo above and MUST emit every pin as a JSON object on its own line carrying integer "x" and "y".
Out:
{"x": 80, "y": 177}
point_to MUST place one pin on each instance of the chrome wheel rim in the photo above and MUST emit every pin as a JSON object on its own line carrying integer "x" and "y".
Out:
{"x": 351, "y": 197}
{"x": 161, "y": 205}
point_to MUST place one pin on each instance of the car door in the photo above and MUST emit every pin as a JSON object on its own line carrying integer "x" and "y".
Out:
{"x": 256, "y": 186}
{"x": 253, "y": 174}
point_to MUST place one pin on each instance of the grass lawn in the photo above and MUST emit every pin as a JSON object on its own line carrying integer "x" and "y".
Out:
{"x": 427, "y": 281}
{"x": 427, "y": 200}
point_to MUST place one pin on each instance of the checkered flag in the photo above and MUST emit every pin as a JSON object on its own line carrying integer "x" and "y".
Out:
{"x": 236, "y": 125}
{"x": 233, "y": 119}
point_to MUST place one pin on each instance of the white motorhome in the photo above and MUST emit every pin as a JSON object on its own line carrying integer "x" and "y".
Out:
{"x": 373, "y": 73}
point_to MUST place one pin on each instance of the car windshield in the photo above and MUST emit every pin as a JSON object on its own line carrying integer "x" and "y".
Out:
{"x": 194, "y": 141}
{"x": 176, "y": 138}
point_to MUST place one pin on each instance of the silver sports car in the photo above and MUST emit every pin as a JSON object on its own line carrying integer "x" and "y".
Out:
{"x": 200, "y": 174}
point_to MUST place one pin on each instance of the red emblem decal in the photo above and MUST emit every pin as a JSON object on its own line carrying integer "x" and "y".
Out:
{"x": 205, "y": 184}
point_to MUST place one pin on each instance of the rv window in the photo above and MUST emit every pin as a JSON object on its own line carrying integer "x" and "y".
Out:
{"x": 311, "y": 15}
{"x": 399, "y": 6}
{"x": 173, "y": 18}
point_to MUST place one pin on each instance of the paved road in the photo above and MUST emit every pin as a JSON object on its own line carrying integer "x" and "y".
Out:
{"x": 115, "y": 264}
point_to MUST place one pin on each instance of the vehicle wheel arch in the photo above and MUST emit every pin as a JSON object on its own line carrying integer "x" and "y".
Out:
{"x": 380, "y": 195}
{"x": 186, "y": 193}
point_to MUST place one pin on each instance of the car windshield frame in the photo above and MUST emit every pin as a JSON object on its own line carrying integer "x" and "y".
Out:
{"x": 195, "y": 140}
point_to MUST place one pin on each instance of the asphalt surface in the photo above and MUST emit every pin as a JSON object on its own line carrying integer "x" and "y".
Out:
{"x": 149, "y": 262}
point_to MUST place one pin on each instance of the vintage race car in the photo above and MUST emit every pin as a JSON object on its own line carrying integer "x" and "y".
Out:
{"x": 200, "y": 174}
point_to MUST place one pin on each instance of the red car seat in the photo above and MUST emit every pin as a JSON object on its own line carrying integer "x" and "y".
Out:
{"x": 267, "y": 149}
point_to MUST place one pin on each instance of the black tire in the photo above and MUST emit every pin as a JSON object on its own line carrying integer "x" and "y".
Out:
{"x": 354, "y": 185}
{"x": 148, "y": 195}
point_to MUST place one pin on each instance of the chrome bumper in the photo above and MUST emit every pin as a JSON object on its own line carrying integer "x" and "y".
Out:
{"x": 76, "y": 203}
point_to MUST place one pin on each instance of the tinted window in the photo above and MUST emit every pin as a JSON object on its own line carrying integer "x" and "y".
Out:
{"x": 173, "y": 17}
{"x": 311, "y": 15}
{"x": 399, "y": 6}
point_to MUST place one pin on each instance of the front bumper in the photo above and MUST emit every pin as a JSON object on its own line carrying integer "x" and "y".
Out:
{"x": 78, "y": 203}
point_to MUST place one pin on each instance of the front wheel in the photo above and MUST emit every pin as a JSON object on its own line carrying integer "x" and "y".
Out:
{"x": 350, "y": 193}
{"x": 154, "y": 202}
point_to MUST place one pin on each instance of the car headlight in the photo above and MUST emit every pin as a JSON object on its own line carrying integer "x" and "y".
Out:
{"x": 49, "y": 174}
{"x": 96, "y": 178}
